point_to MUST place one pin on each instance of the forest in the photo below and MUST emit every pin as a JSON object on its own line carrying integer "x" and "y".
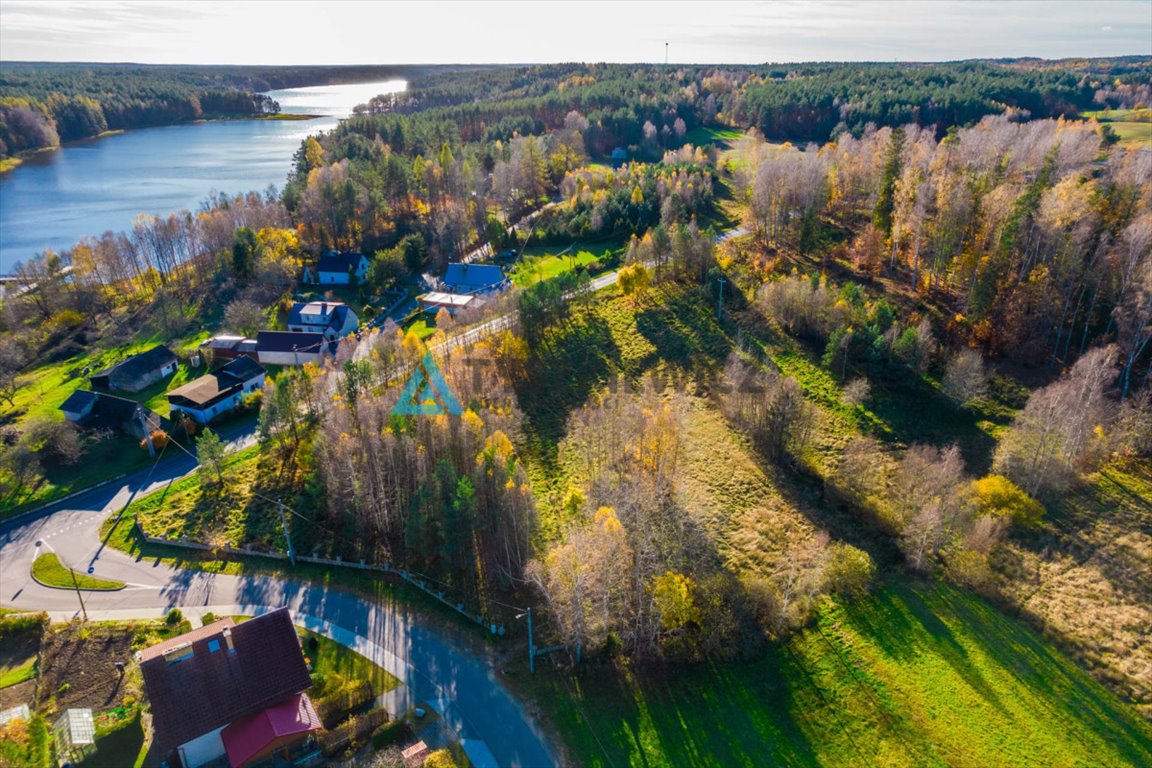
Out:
{"x": 44, "y": 104}
{"x": 856, "y": 356}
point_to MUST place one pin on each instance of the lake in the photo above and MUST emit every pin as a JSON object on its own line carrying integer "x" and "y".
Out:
{"x": 85, "y": 188}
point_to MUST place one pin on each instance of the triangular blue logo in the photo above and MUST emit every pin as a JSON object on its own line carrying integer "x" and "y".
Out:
{"x": 426, "y": 393}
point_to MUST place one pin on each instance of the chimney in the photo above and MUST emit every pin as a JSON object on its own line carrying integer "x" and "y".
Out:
{"x": 228, "y": 639}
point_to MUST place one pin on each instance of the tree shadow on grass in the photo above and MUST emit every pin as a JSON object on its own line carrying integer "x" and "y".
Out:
{"x": 905, "y": 626}
{"x": 577, "y": 360}
{"x": 684, "y": 330}
{"x": 692, "y": 715}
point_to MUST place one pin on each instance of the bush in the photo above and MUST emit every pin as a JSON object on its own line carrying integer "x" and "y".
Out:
{"x": 340, "y": 696}
{"x": 174, "y": 617}
{"x": 348, "y": 735}
{"x": 159, "y": 440}
{"x": 998, "y": 496}
{"x": 850, "y": 570}
{"x": 207, "y": 619}
{"x": 390, "y": 733}
{"x": 441, "y": 758}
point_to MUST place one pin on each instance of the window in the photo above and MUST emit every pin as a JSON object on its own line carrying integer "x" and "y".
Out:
{"x": 213, "y": 646}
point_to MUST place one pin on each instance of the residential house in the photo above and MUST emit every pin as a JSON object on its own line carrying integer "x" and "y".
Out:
{"x": 474, "y": 278}
{"x": 225, "y": 347}
{"x": 231, "y": 694}
{"x": 337, "y": 268}
{"x": 97, "y": 410}
{"x": 218, "y": 392}
{"x": 334, "y": 319}
{"x": 137, "y": 372}
{"x": 293, "y": 348}
{"x": 434, "y": 301}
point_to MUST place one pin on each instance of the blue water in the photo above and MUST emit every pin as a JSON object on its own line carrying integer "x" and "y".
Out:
{"x": 86, "y": 188}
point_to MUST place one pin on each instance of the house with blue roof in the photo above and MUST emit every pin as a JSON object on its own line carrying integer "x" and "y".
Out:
{"x": 337, "y": 268}
{"x": 474, "y": 279}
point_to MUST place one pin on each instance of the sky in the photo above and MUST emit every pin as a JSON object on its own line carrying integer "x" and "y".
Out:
{"x": 365, "y": 32}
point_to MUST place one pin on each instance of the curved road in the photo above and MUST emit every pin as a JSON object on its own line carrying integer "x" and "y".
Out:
{"x": 457, "y": 683}
{"x": 460, "y": 685}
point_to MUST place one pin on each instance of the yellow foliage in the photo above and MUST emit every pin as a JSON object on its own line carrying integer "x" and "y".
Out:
{"x": 472, "y": 421}
{"x": 997, "y": 495}
{"x": 606, "y": 518}
{"x": 673, "y": 595}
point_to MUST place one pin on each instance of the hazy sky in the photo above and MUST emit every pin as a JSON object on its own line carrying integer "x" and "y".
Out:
{"x": 364, "y": 32}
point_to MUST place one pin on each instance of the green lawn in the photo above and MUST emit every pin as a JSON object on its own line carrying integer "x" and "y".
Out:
{"x": 100, "y": 461}
{"x": 49, "y": 571}
{"x": 702, "y": 136}
{"x": 44, "y": 388}
{"x": 329, "y": 657}
{"x": 545, "y": 262}
{"x": 119, "y": 744}
{"x": 912, "y": 676}
{"x": 19, "y": 643}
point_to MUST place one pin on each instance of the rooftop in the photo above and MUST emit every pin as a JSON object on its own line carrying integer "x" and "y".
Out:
{"x": 448, "y": 299}
{"x": 216, "y": 675}
{"x": 220, "y": 382}
{"x": 143, "y": 363}
{"x": 335, "y": 261}
{"x": 464, "y": 278}
{"x": 290, "y": 341}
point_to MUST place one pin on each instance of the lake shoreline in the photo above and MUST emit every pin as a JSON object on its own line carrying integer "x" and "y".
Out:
{"x": 15, "y": 161}
{"x": 56, "y": 199}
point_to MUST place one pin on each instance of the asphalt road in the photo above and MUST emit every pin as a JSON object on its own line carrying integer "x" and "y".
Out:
{"x": 459, "y": 684}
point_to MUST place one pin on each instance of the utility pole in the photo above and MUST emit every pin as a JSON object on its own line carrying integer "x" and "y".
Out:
{"x": 79, "y": 597}
{"x": 287, "y": 536}
{"x": 665, "y": 54}
{"x": 144, "y": 429}
{"x": 531, "y": 645}
{"x": 720, "y": 299}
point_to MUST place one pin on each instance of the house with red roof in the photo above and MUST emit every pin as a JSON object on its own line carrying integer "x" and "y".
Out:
{"x": 230, "y": 694}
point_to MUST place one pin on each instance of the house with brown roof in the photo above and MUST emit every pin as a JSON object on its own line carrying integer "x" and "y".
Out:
{"x": 231, "y": 694}
{"x": 218, "y": 392}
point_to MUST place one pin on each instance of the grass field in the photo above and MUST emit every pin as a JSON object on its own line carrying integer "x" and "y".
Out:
{"x": 545, "y": 262}
{"x": 1084, "y": 576}
{"x": 1133, "y": 126}
{"x": 19, "y": 642}
{"x": 49, "y": 571}
{"x": 912, "y": 676}
{"x": 703, "y": 136}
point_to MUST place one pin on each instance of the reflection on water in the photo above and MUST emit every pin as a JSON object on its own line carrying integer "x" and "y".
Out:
{"x": 86, "y": 188}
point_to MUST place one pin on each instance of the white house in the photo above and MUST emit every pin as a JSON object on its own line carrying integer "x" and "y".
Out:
{"x": 334, "y": 319}
{"x": 337, "y": 268}
{"x": 218, "y": 392}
